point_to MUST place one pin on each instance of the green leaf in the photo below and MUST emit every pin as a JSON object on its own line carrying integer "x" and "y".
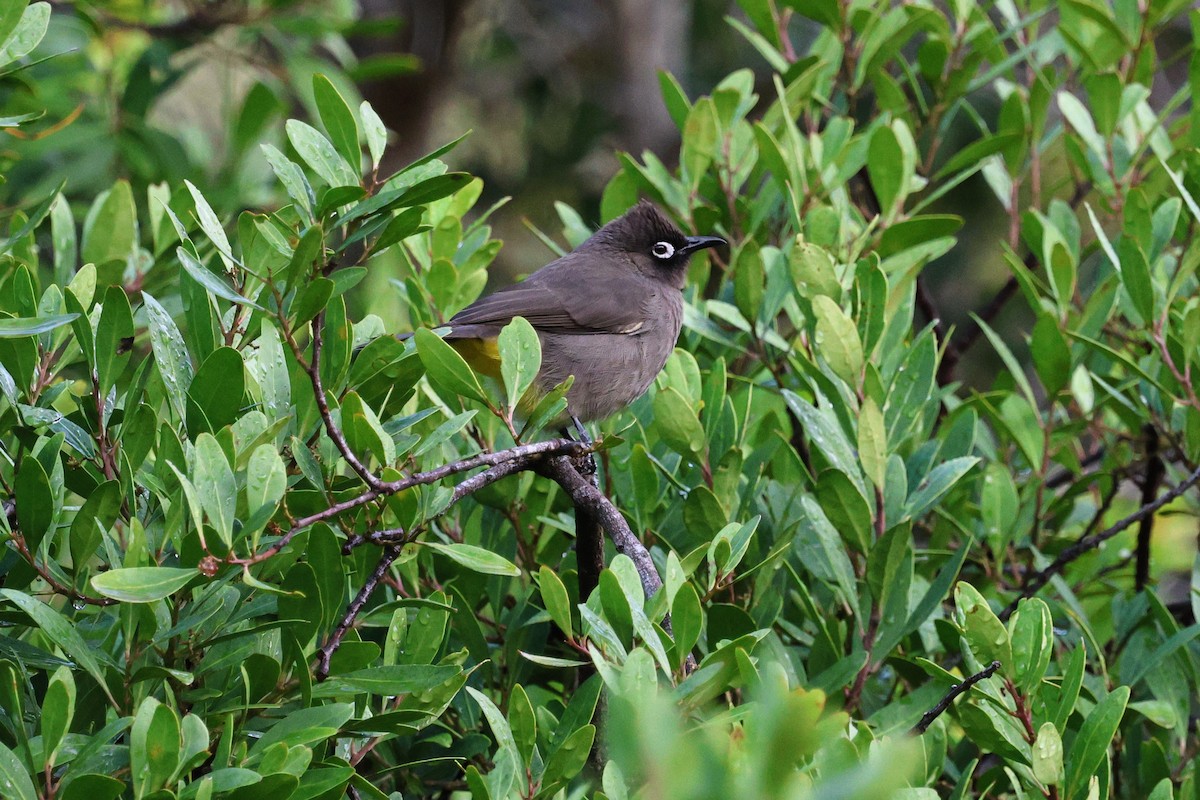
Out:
{"x": 508, "y": 760}
{"x": 999, "y": 505}
{"x": 396, "y": 679}
{"x": 447, "y": 370}
{"x": 872, "y": 442}
{"x": 10, "y": 16}
{"x": 215, "y": 486}
{"x": 820, "y": 549}
{"x": 520, "y": 359}
{"x": 402, "y": 226}
{"x": 432, "y": 189}
{"x": 97, "y": 514}
{"x": 62, "y": 632}
{"x": 1135, "y": 277}
{"x": 890, "y": 576}
{"x": 310, "y": 300}
{"x": 837, "y": 340}
{"x": 209, "y": 280}
{"x": 1048, "y": 755}
{"x": 550, "y": 661}
{"x": 320, "y": 155}
{"x": 364, "y": 433}
{"x": 153, "y": 746}
{"x": 114, "y": 337}
{"x": 983, "y": 631}
{"x": 556, "y": 599}
{"x": 674, "y": 98}
{"x": 14, "y": 327}
{"x": 475, "y": 558}
{"x": 687, "y": 619}
{"x": 1031, "y": 631}
{"x": 813, "y": 271}
{"x": 27, "y": 33}
{"x": 1079, "y": 118}
{"x": 569, "y": 759}
{"x": 58, "y": 709}
{"x": 304, "y": 726}
{"x": 14, "y": 778}
{"x": 846, "y": 507}
{"x": 1093, "y": 741}
{"x": 676, "y": 422}
{"x": 142, "y": 584}
{"x": 338, "y": 120}
{"x": 110, "y": 230}
{"x": 211, "y": 225}
{"x": 617, "y": 609}
{"x": 918, "y": 230}
{"x": 35, "y": 502}
{"x": 1010, "y": 361}
{"x": 700, "y": 133}
{"x": 215, "y": 395}
{"x": 170, "y": 353}
{"x": 523, "y": 723}
{"x": 374, "y": 132}
{"x": 293, "y": 180}
{"x": 931, "y": 489}
{"x": 1051, "y": 355}
{"x": 889, "y": 169}
{"x": 827, "y": 436}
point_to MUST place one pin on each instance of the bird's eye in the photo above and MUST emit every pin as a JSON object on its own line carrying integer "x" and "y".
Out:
{"x": 663, "y": 250}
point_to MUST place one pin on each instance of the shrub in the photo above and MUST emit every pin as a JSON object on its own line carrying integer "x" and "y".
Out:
{"x": 247, "y": 559}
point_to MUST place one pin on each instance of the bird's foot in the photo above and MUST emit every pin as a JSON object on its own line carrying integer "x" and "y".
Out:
{"x": 586, "y": 464}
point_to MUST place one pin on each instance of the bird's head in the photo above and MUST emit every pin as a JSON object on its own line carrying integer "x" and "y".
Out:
{"x": 649, "y": 240}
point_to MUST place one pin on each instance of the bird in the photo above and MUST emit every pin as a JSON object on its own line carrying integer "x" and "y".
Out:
{"x": 608, "y": 313}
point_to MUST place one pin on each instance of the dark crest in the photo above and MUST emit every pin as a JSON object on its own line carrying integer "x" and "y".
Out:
{"x": 637, "y": 230}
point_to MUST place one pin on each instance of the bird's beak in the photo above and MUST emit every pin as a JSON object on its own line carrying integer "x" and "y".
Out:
{"x": 695, "y": 243}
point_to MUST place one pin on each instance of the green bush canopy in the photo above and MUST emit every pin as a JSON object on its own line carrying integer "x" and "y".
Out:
{"x": 257, "y": 547}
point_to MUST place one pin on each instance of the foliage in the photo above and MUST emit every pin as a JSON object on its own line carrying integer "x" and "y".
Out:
{"x": 246, "y": 558}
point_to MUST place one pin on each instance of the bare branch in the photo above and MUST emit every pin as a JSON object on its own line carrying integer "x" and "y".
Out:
{"x": 355, "y": 608}
{"x": 1039, "y": 581}
{"x": 959, "y": 688}
{"x": 584, "y": 495}
{"x": 1151, "y": 478}
{"x": 335, "y": 433}
{"x": 523, "y": 456}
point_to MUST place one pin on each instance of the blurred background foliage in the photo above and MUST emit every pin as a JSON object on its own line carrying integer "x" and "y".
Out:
{"x": 167, "y": 91}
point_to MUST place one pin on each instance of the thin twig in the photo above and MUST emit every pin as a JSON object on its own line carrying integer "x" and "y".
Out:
{"x": 1151, "y": 478}
{"x": 519, "y": 453}
{"x": 584, "y": 494}
{"x": 959, "y": 688}
{"x": 1039, "y": 580}
{"x": 355, "y": 608}
{"x": 334, "y": 432}
{"x": 589, "y": 546}
{"x": 463, "y": 489}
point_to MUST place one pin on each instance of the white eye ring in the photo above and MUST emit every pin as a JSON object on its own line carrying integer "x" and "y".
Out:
{"x": 663, "y": 250}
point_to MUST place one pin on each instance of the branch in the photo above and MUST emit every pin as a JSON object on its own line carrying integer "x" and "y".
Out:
{"x": 467, "y": 487}
{"x": 327, "y": 650}
{"x": 521, "y": 454}
{"x": 1038, "y": 581}
{"x": 959, "y": 688}
{"x": 589, "y": 550}
{"x": 586, "y": 496}
{"x": 313, "y": 369}
{"x": 1153, "y": 476}
{"x": 57, "y": 586}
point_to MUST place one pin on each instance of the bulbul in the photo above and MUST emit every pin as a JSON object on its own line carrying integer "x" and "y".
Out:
{"x": 609, "y": 313}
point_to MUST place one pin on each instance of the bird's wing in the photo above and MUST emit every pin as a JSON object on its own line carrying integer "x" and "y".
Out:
{"x": 566, "y": 296}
